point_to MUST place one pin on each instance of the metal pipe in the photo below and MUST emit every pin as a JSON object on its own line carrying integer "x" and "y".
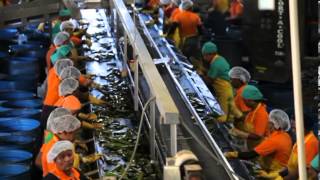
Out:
{"x": 152, "y": 130}
{"x": 173, "y": 138}
{"x": 297, "y": 90}
{"x": 136, "y": 83}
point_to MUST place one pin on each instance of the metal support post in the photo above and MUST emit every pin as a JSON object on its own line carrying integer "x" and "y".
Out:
{"x": 136, "y": 83}
{"x": 173, "y": 139}
{"x": 152, "y": 129}
{"x": 297, "y": 88}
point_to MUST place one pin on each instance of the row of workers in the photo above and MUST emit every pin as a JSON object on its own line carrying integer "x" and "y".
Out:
{"x": 184, "y": 26}
{"x": 265, "y": 134}
{"x": 65, "y": 93}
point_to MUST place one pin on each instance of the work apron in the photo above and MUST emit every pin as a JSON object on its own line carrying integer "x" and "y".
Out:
{"x": 224, "y": 94}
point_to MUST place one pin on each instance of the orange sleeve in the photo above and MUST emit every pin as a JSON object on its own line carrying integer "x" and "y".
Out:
{"x": 261, "y": 122}
{"x": 72, "y": 103}
{"x": 76, "y": 41}
{"x": 312, "y": 148}
{"x": 266, "y": 147}
{"x": 83, "y": 80}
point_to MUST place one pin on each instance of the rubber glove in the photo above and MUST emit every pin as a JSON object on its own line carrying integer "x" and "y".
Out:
{"x": 88, "y": 42}
{"x": 95, "y": 85}
{"x": 91, "y": 158}
{"x": 91, "y": 116}
{"x": 91, "y": 125}
{"x": 96, "y": 101}
{"x": 231, "y": 154}
{"x": 266, "y": 175}
{"x": 238, "y": 133}
{"x": 76, "y": 161}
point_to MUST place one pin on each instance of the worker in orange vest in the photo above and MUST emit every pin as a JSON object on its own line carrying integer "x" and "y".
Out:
{"x": 274, "y": 150}
{"x": 62, "y": 155}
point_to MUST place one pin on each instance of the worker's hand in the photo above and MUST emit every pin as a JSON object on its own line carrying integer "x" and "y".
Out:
{"x": 96, "y": 101}
{"x": 266, "y": 175}
{"x": 89, "y": 76}
{"x": 97, "y": 125}
{"x": 76, "y": 160}
{"x": 83, "y": 58}
{"x": 150, "y": 23}
{"x": 231, "y": 154}
{"x": 90, "y": 117}
{"x": 238, "y": 133}
{"x": 82, "y": 145}
{"x": 88, "y": 42}
{"x": 91, "y": 158}
{"x": 95, "y": 85}
{"x": 163, "y": 35}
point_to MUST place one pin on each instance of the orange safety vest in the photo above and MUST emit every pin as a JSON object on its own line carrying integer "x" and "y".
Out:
{"x": 52, "y": 95}
{"x": 70, "y": 102}
{"x": 50, "y": 140}
{"x": 75, "y": 175}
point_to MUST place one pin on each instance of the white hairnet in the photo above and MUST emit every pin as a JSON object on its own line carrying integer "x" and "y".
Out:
{"x": 70, "y": 72}
{"x": 280, "y": 119}
{"x": 75, "y": 23}
{"x": 176, "y": 2}
{"x": 68, "y": 86}
{"x": 66, "y": 123}
{"x": 61, "y": 38}
{"x": 67, "y": 25}
{"x": 165, "y": 2}
{"x": 185, "y": 5}
{"x": 58, "y": 148}
{"x": 61, "y": 64}
{"x": 58, "y": 112}
{"x": 240, "y": 73}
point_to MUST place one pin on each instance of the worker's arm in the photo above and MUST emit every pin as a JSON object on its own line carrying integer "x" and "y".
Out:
{"x": 248, "y": 155}
{"x": 38, "y": 160}
{"x": 172, "y": 27}
{"x": 254, "y": 136}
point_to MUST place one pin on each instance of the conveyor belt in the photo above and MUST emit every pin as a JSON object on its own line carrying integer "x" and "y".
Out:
{"x": 181, "y": 80}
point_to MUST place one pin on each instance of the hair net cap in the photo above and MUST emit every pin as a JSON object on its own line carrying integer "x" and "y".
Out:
{"x": 209, "y": 48}
{"x": 280, "y": 119}
{"x": 185, "y": 5}
{"x": 61, "y": 52}
{"x": 165, "y": 2}
{"x": 176, "y": 2}
{"x": 241, "y": 73}
{"x": 61, "y": 38}
{"x": 58, "y": 112}
{"x": 58, "y": 148}
{"x": 67, "y": 25}
{"x": 61, "y": 64}
{"x": 252, "y": 93}
{"x": 66, "y": 123}
{"x": 70, "y": 72}
{"x": 64, "y": 12}
{"x": 68, "y": 86}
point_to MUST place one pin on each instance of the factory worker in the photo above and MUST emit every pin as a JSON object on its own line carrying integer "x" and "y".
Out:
{"x": 64, "y": 14}
{"x": 311, "y": 143}
{"x": 239, "y": 77}
{"x": 218, "y": 77}
{"x": 67, "y": 51}
{"x": 274, "y": 150}
{"x": 52, "y": 94}
{"x": 62, "y": 155}
{"x": 69, "y": 27}
{"x": 167, "y": 8}
{"x": 68, "y": 100}
{"x": 61, "y": 128}
{"x": 190, "y": 27}
{"x": 314, "y": 170}
{"x": 255, "y": 125}
{"x": 60, "y": 39}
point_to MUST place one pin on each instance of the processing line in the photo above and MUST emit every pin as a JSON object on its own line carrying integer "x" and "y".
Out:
{"x": 185, "y": 82}
{"x": 192, "y": 104}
